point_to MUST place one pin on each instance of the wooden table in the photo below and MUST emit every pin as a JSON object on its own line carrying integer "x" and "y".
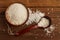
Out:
{"x": 47, "y": 6}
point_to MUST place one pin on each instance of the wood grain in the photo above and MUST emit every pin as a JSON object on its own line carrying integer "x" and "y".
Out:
{"x": 46, "y": 6}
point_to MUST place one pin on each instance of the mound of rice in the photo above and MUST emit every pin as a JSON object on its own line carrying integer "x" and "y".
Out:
{"x": 16, "y": 14}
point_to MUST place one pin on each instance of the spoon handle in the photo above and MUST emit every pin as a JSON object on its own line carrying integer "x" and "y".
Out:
{"x": 26, "y": 30}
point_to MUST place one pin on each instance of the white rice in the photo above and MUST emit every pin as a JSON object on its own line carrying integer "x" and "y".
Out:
{"x": 34, "y": 16}
{"x": 17, "y": 14}
{"x": 49, "y": 30}
{"x": 43, "y": 23}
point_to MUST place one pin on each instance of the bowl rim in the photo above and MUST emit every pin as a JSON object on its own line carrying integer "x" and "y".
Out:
{"x": 15, "y": 24}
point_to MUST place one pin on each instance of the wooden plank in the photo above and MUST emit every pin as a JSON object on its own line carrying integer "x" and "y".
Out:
{"x": 48, "y": 11}
{"x": 32, "y": 33}
{"x": 32, "y": 3}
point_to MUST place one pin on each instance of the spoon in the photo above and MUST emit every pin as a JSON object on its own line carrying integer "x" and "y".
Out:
{"x": 45, "y": 22}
